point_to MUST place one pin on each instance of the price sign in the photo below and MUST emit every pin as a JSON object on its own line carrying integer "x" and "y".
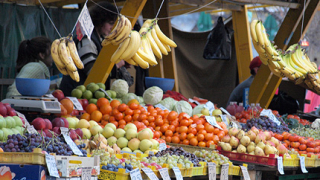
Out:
{"x": 22, "y": 116}
{"x": 161, "y": 106}
{"x": 151, "y": 175}
{"x": 177, "y": 173}
{"x": 210, "y": 106}
{"x": 302, "y": 164}
{"x": 73, "y": 146}
{"x": 212, "y": 171}
{"x": 76, "y": 103}
{"x": 135, "y": 174}
{"x": 245, "y": 173}
{"x": 224, "y": 119}
{"x": 162, "y": 146}
{"x": 86, "y": 173}
{"x": 224, "y": 172}
{"x": 280, "y": 165}
{"x": 31, "y": 130}
{"x": 234, "y": 125}
{"x": 212, "y": 120}
{"x": 51, "y": 165}
{"x": 270, "y": 115}
{"x": 193, "y": 101}
{"x": 85, "y": 25}
{"x": 225, "y": 111}
{"x": 164, "y": 174}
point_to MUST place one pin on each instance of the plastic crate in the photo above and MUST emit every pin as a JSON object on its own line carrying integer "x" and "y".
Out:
{"x": 184, "y": 171}
{"x": 200, "y": 171}
{"x": 293, "y": 161}
{"x": 310, "y": 161}
{"x": 22, "y": 158}
{"x": 155, "y": 171}
{"x": 189, "y": 148}
{"x": 317, "y": 162}
{"x": 270, "y": 161}
{"x": 234, "y": 170}
{"x": 111, "y": 175}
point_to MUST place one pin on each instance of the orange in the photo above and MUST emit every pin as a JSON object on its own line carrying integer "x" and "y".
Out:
{"x": 185, "y": 142}
{"x": 91, "y": 107}
{"x": 204, "y": 132}
{"x": 102, "y": 101}
{"x": 133, "y": 106}
{"x": 168, "y": 133}
{"x": 202, "y": 144}
{"x": 209, "y": 143}
{"x": 209, "y": 128}
{"x": 172, "y": 128}
{"x": 156, "y": 134}
{"x": 145, "y": 122}
{"x": 152, "y": 124}
{"x": 164, "y": 128}
{"x": 129, "y": 111}
{"x": 133, "y": 101}
{"x": 122, "y": 107}
{"x": 208, "y": 136}
{"x": 105, "y": 109}
{"x": 183, "y": 129}
{"x": 200, "y": 137}
{"x": 96, "y": 116}
{"x": 200, "y": 127}
{"x": 192, "y": 130}
{"x": 115, "y": 103}
{"x": 183, "y": 136}
{"x": 216, "y": 131}
{"x": 67, "y": 103}
{"x": 175, "y": 139}
{"x": 172, "y": 115}
{"x": 158, "y": 122}
{"x": 190, "y": 136}
{"x": 157, "y": 128}
{"x": 149, "y": 108}
{"x": 105, "y": 117}
{"x": 85, "y": 116}
{"x": 151, "y": 119}
{"x": 168, "y": 139}
{"x": 118, "y": 116}
{"x": 193, "y": 141}
{"x": 63, "y": 110}
{"x": 184, "y": 122}
{"x": 142, "y": 117}
{"x": 1, "y": 150}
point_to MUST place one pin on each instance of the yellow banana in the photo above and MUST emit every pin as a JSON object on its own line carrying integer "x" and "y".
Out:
{"x": 122, "y": 47}
{"x": 63, "y": 70}
{"x": 168, "y": 48}
{"x": 288, "y": 74}
{"x": 117, "y": 29}
{"x": 143, "y": 64}
{"x": 253, "y": 31}
{"x": 163, "y": 37}
{"x": 263, "y": 59}
{"x": 134, "y": 45}
{"x": 55, "y": 53}
{"x": 65, "y": 56}
{"x": 131, "y": 61}
{"x": 295, "y": 59}
{"x": 145, "y": 52}
{"x": 259, "y": 34}
{"x": 274, "y": 65}
{"x": 267, "y": 44}
{"x": 105, "y": 42}
{"x": 275, "y": 71}
{"x": 153, "y": 45}
{"x": 158, "y": 42}
{"x": 147, "y": 23}
{"x": 123, "y": 34}
{"x": 74, "y": 75}
{"x": 286, "y": 59}
{"x": 74, "y": 54}
{"x": 303, "y": 58}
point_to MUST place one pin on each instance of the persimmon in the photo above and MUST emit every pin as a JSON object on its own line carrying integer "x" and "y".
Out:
{"x": 168, "y": 139}
{"x": 172, "y": 128}
{"x": 279, "y": 137}
{"x": 303, "y": 140}
{"x": 293, "y": 138}
{"x": 172, "y": 115}
{"x": 156, "y": 134}
{"x": 168, "y": 133}
{"x": 119, "y": 116}
{"x": 311, "y": 144}
{"x": 310, "y": 149}
{"x": 286, "y": 135}
{"x": 164, "y": 128}
{"x": 215, "y": 139}
{"x": 122, "y": 107}
{"x": 302, "y": 147}
{"x": 295, "y": 144}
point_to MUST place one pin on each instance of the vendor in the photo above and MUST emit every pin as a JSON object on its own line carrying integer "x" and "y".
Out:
{"x": 103, "y": 16}
{"x": 237, "y": 93}
{"x": 34, "y": 60}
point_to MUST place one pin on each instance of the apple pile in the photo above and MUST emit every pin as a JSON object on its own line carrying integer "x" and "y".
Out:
{"x": 6, "y": 110}
{"x": 10, "y": 125}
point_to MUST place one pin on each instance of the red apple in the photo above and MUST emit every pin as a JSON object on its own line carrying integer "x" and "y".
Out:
{"x": 85, "y": 103}
{"x": 74, "y": 112}
{"x": 58, "y": 94}
{"x": 73, "y": 135}
{"x": 42, "y": 133}
{"x": 79, "y": 132}
{"x": 58, "y": 122}
{"x": 48, "y": 133}
{"x": 66, "y": 123}
{"x": 80, "y": 101}
{"x": 48, "y": 124}
{"x": 11, "y": 112}
{"x": 7, "y": 105}
{"x": 38, "y": 123}
{"x": 3, "y": 109}
{"x": 57, "y": 130}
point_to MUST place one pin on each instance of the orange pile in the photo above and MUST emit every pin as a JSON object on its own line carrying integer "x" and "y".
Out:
{"x": 170, "y": 126}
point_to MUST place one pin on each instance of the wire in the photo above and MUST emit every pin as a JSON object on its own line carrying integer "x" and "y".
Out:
{"x": 49, "y": 18}
{"x": 159, "y": 8}
{"x": 116, "y": 6}
{"x": 304, "y": 10}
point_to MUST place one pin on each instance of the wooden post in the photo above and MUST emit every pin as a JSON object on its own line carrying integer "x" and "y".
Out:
{"x": 103, "y": 66}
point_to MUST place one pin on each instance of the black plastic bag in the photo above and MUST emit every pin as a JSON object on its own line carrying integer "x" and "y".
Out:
{"x": 219, "y": 45}
{"x": 284, "y": 104}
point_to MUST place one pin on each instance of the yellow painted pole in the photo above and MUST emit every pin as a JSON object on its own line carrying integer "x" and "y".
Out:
{"x": 103, "y": 66}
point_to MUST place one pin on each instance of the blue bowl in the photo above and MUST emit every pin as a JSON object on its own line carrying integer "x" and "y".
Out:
{"x": 32, "y": 87}
{"x": 163, "y": 83}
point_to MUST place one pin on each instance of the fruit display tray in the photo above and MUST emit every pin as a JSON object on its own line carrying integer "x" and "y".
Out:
{"x": 22, "y": 158}
{"x": 263, "y": 160}
{"x": 185, "y": 172}
{"x": 200, "y": 171}
{"x": 291, "y": 162}
{"x": 111, "y": 175}
{"x": 191, "y": 149}
{"x": 310, "y": 161}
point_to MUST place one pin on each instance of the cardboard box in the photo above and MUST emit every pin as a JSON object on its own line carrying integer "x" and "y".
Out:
{"x": 25, "y": 172}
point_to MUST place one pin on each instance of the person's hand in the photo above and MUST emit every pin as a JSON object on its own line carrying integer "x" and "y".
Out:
{"x": 120, "y": 64}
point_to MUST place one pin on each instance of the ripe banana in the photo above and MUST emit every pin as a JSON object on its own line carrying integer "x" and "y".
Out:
{"x": 119, "y": 27}
{"x": 158, "y": 42}
{"x": 55, "y": 54}
{"x": 253, "y": 31}
{"x": 259, "y": 33}
{"x": 168, "y": 48}
{"x": 134, "y": 44}
{"x": 287, "y": 61}
{"x": 74, "y": 53}
{"x": 143, "y": 64}
{"x": 153, "y": 45}
{"x": 123, "y": 34}
{"x": 304, "y": 59}
{"x": 296, "y": 60}
{"x": 131, "y": 61}
{"x": 122, "y": 47}
{"x": 145, "y": 52}
{"x": 147, "y": 23}
{"x": 74, "y": 75}
{"x": 105, "y": 42}
{"x": 65, "y": 56}
{"x": 63, "y": 70}
{"x": 163, "y": 37}
{"x": 267, "y": 44}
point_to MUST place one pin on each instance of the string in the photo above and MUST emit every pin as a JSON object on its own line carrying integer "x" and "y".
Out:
{"x": 49, "y": 18}
{"x": 304, "y": 10}
{"x": 159, "y": 8}
{"x": 116, "y": 6}
{"x": 78, "y": 19}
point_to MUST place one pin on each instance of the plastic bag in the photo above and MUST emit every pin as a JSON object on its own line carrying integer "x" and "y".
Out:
{"x": 284, "y": 104}
{"x": 219, "y": 45}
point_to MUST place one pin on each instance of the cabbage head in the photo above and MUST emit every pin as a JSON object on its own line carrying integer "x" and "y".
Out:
{"x": 169, "y": 103}
{"x": 140, "y": 99}
{"x": 153, "y": 95}
{"x": 197, "y": 109}
{"x": 121, "y": 87}
{"x": 127, "y": 97}
{"x": 183, "y": 106}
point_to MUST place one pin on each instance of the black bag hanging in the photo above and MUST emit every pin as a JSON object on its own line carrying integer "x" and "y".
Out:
{"x": 284, "y": 103}
{"x": 219, "y": 45}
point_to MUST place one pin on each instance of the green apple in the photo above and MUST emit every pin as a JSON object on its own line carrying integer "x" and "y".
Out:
{"x": 107, "y": 132}
{"x": 82, "y": 88}
{"x": 87, "y": 95}
{"x": 2, "y": 122}
{"x": 18, "y": 121}
{"x": 76, "y": 93}
{"x": 93, "y": 101}
{"x": 93, "y": 88}
{"x": 101, "y": 85}
{"x": 99, "y": 94}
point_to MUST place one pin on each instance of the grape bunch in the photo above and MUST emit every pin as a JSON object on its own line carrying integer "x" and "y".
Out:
{"x": 81, "y": 148}
{"x": 265, "y": 123}
{"x": 210, "y": 156}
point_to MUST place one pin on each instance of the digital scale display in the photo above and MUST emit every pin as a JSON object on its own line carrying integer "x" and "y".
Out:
{"x": 51, "y": 105}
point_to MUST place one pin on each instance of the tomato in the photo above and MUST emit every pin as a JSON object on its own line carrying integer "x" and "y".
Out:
{"x": 238, "y": 115}
{"x": 293, "y": 138}
{"x": 302, "y": 147}
{"x": 296, "y": 117}
{"x": 276, "y": 113}
{"x": 303, "y": 140}
{"x": 279, "y": 137}
{"x": 310, "y": 154}
{"x": 290, "y": 116}
{"x": 317, "y": 149}
{"x": 295, "y": 144}
{"x": 311, "y": 144}
{"x": 286, "y": 135}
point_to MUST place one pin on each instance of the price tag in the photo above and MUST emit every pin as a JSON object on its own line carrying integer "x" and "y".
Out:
{"x": 234, "y": 125}
{"x": 22, "y": 116}
{"x": 280, "y": 165}
{"x": 135, "y": 174}
{"x": 85, "y": 22}
{"x": 225, "y": 111}
{"x": 86, "y": 173}
{"x": 212, "y": 120}
{"x": 161, "y": 106}
{"x": 245, "y": 173}
{"x": 51, "y": 165}
{"x": 224, "y": 172}
{"x": 73, "y": 146}
{"x": 164, "y": 174}
{"x": 270, "y": 115}
{"x": 105, "y": 92}
{"x": 177, "y": 173}
{"x": 193, "y": 101}
{"x": 302, "y": 164}
{"x": 212, "y": 171}
{"x": 151, "y": 175}
{"x": 162, "y": 146}
{"x": 31, "y": 130}
{"x": 224, "y": 119}
{"x": 76, "y": 103}
{"x": 210, "y": 106}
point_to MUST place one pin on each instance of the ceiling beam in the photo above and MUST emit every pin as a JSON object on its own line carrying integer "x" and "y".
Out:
{"x": 216, "y": 5}
{"x": 290, "y": 5}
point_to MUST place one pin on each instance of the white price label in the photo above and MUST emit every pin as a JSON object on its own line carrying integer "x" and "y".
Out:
{"x": 234, "y": 125}
{"x": 151, "y": 175}
{"x": 51, "y": 165}
{"x": 73, "y": 146}
{"x": 31, "y": 130}
{"x": 177, "y": 173}
{"x": 135, "y": 174}
{"x": 270, "y": 115}
{"x": 26, "y": 123}
{"x": 212, "y": 169}
{"x": 210, "y": 106}
{"x": 224, "y": 172}
{"x": 105, "y": 92}
{"x": 212, "y": 120}
{"x": 225, "y": 111}
{"x": 162, "y": 146}
{"x": 245, "y": 173}
{"x": 86, "y": 173}
{"x": 280, "y": 165}
{"x": 76, "y": 103}
{"x": 164, "y": 174}
{"x": 193, "y": 101}
{"x": 85, "y": 21}
{"x": 302, "y": 164}
{"x": 161, "y": 106}
{"x": 224, "y": 119}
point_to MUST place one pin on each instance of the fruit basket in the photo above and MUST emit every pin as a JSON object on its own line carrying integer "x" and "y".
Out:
{"x": 234, "y": 170}
{"x": 22, "y": 158}
{"x": 310, "y": 161}
{"x": 185, "y": 172}
{"x": 317, "y": 162}
{"x": 111, "y": 175}
{"x": 190, "y": 149}
{"x": 270, "y": 161}
{"x": 293, "y": 161}
{"x": 200, "y": 171}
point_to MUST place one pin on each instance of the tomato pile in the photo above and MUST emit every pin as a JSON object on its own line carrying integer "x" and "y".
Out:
{"x": 301, "y": 121}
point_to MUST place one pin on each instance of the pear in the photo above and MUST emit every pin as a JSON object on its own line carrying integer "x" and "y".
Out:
{"x": 251, "y": 147}
{"x": 258, "y": 152}
{"x": 240, "y": 134}
{"x": 241, "y": 149}
{"x": 261, "y": 145}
